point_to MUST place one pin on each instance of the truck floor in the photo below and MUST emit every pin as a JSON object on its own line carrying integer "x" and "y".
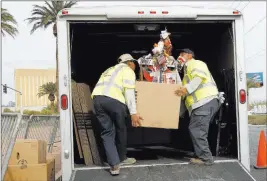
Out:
{"x": 157, "y": 155}
{"x": 228, "y": 171}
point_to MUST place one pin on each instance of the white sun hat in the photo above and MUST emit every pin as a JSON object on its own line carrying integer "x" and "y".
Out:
{"x": 125, "y": 57}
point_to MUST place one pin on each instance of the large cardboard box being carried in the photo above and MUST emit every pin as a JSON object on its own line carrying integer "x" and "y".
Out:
{"x": 158, "y": 105}
{"x": 32, "y": 172}
{"x": 28, "y": 151}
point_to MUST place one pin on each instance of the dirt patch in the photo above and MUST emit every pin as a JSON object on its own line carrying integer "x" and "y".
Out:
{"x": 257, "y": 119}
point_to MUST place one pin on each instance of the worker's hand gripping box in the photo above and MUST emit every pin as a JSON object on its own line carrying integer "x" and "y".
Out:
{"x": 28, "y": 151}
{"x": 158, "y": 105}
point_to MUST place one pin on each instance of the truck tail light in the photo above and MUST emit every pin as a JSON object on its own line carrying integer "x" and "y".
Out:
{"x": 242, "y": 96}
{"x": 140, "y": 12}
{"x": 152, "y": 12}
{"x": 64, "y": 102}
{"x": 165, "y": 12}
{"x": 64, "y": 12}
{"x": 235, "y": 12}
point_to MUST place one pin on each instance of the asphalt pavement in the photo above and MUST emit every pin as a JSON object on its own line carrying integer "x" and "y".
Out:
{"x": 254, "y": 134}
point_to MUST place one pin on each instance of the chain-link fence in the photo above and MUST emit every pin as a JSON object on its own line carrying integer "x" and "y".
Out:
{"x": 15, "y": 126}
{"x": 10, "y": 124}
{"x": 40, "y": 127}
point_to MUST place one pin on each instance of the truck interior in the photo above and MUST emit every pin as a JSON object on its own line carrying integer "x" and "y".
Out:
{"x": 95, "y": 46}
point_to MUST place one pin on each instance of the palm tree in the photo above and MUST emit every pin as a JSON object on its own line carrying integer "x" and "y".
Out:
{"x": 8, "y": 24}
{"x": 44, "y": 16}
{"x": 49, "y": 89}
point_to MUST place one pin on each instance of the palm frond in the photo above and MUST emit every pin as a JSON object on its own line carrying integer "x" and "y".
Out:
{"x": 31, "y": 20}
{"x": 44, "y": 9}
{"x": 5, "y": 16}
{"x": 44, "y": 16}
{"x": 8, "y": 24}
{"x": 51, "y": 8}
{"x": 69, "y": 4}
{"x": 46, "y": 89}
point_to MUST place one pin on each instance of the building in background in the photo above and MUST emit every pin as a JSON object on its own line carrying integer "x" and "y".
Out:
{"x": 28, "y": 82}
{"x": 11, "y": 104}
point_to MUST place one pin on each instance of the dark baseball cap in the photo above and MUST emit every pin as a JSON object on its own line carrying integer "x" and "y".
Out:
{"x": 186, "y": 50}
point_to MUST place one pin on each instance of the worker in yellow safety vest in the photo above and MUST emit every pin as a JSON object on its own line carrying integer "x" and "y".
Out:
{"x": 113, "y": 97}
{"x": 201, "y": 98}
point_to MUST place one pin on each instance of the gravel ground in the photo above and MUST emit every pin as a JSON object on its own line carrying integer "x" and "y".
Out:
{"x": 254, "y": 133}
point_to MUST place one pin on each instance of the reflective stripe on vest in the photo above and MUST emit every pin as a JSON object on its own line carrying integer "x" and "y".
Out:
{"x": 199, "y": 87}
{"x": 111, "y": 85}
{"x": 111, "y": 82}
{"x": 208, "y": 83}
{"x": 199, "y": 71}
{"x": 202, "y": 72}
{"x": 130, "y": 82}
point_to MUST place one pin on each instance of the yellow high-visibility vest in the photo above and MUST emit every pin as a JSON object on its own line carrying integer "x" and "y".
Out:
{"x": 207, "y": 88}
{"x": 113, "y": 82}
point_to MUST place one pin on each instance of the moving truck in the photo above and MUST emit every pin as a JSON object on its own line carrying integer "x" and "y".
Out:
{"x": 91, "y": 39}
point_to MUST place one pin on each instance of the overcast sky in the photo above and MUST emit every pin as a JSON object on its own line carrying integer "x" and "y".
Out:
{"x": 38, "y": 50}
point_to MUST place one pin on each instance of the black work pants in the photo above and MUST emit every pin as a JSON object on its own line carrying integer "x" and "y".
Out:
{"x": 112, "y": 116}
{"x": 199, "y": 128}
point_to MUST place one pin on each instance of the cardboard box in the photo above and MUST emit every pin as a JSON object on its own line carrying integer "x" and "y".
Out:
{"x": 32, "y": 172}
{"x": 158, "y": 105}
{"x": 28, "y": 151}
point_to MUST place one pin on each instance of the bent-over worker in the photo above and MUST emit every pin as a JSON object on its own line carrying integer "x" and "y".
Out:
{"x": 200, "y": 93}
{"x": 113, "y": 93}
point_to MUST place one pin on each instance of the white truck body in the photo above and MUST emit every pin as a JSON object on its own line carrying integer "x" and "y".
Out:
{"x": 128, "y": 13}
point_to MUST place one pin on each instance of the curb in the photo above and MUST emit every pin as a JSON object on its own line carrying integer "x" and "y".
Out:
{"x": 257, "y": 125}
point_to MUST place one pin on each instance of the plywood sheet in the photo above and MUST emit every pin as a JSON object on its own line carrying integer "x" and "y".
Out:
{"x": 158, "y": 104}
{"x": 83, "y": 114}
{"x": 77, "y": 136}
{"x": 87, "y": 108}
{"x": 81, "y": 124}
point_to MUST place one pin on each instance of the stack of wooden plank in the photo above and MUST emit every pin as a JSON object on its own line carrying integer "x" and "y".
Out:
{"x": 82, "y": 120}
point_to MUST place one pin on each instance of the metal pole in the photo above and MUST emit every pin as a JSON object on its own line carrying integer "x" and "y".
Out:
{"x": 21, "y": 112}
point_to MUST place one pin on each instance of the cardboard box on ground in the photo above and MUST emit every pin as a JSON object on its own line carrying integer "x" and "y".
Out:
{"x": 29, "y": 162}
{"x": 28, "y": 151}
{"x": 32, "y": 172}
